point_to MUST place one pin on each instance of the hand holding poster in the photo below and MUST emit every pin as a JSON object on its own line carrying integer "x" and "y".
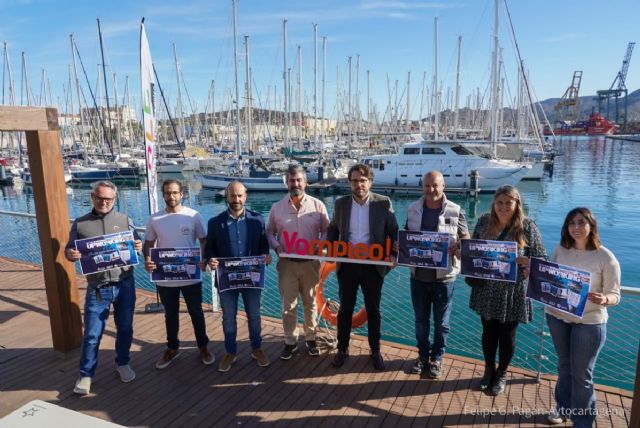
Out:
{"x": 106, "y": 252}
{"x": 176, "y": 264}
{"x": 423, "y": 249}
{"x": 558, "y": 286}
{"x": 489, "y": 259}
{"x": 240, "y": 272}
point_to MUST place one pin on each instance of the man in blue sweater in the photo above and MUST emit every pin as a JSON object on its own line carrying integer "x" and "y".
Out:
{"x": 238, "y": 232}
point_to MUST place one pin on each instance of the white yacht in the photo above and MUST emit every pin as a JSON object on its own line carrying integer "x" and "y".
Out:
{"x": 454, "y": 161}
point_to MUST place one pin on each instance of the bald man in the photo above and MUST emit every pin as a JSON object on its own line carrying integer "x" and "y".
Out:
{"x": 238, "y": 232}
{"x": 432, "y": 289}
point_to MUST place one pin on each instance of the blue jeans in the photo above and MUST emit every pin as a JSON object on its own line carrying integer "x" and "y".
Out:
{"x": 229, "y": 304}
{"x": 577, "y": 346}
{"x": 170, "y": 298}
{"x": 96, "y": 312}
{"x": 424, "y": 295}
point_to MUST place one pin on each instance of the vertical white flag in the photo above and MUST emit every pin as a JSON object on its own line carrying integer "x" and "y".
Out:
{"x": 148, "y": 84}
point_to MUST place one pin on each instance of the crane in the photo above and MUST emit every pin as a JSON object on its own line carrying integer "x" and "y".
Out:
{"x": 567, "y": 107}
{"x": 617, "y": 90}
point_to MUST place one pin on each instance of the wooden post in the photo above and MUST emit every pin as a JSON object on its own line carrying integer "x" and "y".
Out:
{"x": 52, "y": 215}
{"x": 635, "y": 404}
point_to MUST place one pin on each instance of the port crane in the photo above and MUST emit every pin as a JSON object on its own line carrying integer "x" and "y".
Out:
{"x": 617, "y": 91}
{"x": 568, "y": 106}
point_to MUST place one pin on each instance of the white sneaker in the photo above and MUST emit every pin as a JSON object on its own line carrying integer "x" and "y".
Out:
{"x": 554, "y": 418}
{"x": 126, "y": 373}
{"x": 83, "y": 385}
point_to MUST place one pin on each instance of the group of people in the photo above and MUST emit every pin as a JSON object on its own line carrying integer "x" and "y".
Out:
{"x": 363, "y": 217}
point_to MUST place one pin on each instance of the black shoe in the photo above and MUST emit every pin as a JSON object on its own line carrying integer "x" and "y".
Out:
{"x": 288, "y": 351}
{"x": 312, "y": 348}
{"x": 487, "y": 377}
{"x": 418, "y": 366}
{"x": 435, "y": 370}
{"x": 499, "y": 383}
{"x": 339, "y": 359}
{"x": 378, "y": 361}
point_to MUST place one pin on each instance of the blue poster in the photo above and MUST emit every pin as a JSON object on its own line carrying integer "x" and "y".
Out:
{"x": 240, "y": 272}
{"x": 423, "y": 249}
{"x": 559, "y": 286}
{"x": 106, "y": 252}
{"x": 489, "y": 259}
{"x": 176, "y": 264}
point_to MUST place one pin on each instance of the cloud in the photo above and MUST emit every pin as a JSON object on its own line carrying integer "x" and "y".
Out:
{"x": 563, "y": 37}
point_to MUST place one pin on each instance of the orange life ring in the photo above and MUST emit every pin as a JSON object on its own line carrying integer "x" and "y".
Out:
{"x": 358, "y": 320}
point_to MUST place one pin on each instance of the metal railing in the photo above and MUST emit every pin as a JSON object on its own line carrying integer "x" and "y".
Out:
{"x": 534, "y": 351}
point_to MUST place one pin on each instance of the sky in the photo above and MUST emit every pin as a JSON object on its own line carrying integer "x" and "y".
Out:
{"x": 389, "y": 39}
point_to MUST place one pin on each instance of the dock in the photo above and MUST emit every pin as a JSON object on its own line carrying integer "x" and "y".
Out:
{"x": 305, "y": 391}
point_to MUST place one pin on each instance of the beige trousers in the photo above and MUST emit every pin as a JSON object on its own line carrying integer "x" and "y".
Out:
{"x": 298, "y": 279}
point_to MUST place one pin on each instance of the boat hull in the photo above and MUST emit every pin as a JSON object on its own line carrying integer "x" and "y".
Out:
{"x": 262, "y": 184}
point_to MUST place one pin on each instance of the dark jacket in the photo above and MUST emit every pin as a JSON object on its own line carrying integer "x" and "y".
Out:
{"x": 382, "y": 223}
{"x": 218, "y": 236}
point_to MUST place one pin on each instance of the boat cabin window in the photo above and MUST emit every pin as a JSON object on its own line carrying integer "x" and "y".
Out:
{"x": 433, "y": 151}
{"x": 462, "y": 151}
{"x": 412, "y": 151}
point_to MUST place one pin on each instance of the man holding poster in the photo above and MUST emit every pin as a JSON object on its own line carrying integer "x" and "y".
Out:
{"x": 177, "y": 226}
{"x": 104, "y": 288}
{"x": 238, "y": 232}
{"x": 432, "y": 289}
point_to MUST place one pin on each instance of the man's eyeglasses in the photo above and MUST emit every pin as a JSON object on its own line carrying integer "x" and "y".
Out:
{"x": 101, "y": 199}
{"x": 172, "y": 193}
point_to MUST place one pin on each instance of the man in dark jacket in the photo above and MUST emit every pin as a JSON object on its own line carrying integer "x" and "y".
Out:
{"x": 238, "y": 232}
{"x": 115, "y": 286}
{"x": 367, "y": 218}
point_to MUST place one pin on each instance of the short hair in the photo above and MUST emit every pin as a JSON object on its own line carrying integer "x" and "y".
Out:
{"x": 294, "y": 169}
{"x": 103, "y": 183}
{"x": 171, "y": 181}
{"x": 593, "y": 240}
{"x": 236, "y": 182}
{"x": 363, "y": 169}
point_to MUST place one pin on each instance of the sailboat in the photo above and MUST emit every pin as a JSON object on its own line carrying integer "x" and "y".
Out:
{"x": 253, "y": 179}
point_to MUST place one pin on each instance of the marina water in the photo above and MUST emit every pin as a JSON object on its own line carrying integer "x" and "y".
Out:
{"x": 598, "y": 173}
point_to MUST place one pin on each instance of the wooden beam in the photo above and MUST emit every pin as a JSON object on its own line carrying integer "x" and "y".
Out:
{"x": 28, "y": 119}
{"x": 635, "y": 404}
{"x": 52, "y": 216}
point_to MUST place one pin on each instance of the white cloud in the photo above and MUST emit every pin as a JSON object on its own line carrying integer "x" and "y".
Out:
{"x": 563, "y": 37}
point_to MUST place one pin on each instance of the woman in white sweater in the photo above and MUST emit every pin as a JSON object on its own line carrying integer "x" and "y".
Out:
{"x": 579, "y": 340}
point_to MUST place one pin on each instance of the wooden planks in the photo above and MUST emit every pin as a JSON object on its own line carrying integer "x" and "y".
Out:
{"x": 28, "y": 119}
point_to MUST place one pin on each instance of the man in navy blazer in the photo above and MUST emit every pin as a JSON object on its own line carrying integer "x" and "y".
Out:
{"x": 238, "y": 232}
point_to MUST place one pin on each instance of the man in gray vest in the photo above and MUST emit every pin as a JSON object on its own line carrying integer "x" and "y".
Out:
{"x": 115, "y": 286}
{"x": 432, "y": 289}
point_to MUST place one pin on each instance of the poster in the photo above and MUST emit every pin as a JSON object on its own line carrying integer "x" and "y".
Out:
{"x": 106, "y": 252}
{"x": 489, "y": 259}
{"x": 240, "y": 272}
{"x": 176, "y": 264}
{"x": 423, "y": 249}
{"x": 558, "y": 286}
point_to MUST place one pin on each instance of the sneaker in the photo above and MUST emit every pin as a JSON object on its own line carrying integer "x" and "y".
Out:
{"x": 226, "y": 362}
{"x": 378, "y": 361}
{"x": 126, "y": 373}
{"x": 435, "y": 370}
{"x": 312, "y": 348}
{"x": 206, "y": 357}
{"x": 167, "y": 358}
{"x": 339, "y": 359}
{"x": 418, "y": 366}
{"x": 261, "y": 358}
{"x": 288, "y": 351}
{"x": 554, "y": 418}
{"x": 83, "y": 385}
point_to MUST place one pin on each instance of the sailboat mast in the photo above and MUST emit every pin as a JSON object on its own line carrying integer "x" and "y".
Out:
{"x": 179, "y": 93}
{"x": 106, "y": 90}
{"x": 457, "y": 106}
{"x": 436, "y": 89}
{"x": 315, "y": 85}
{"x": 495, "y": 75}
{"x": 235, "y": 64}
{"x": 285, "y": 77}
{"x": 249, "y": 111}
{"x": 77, "y": 82}
{"x": 324, "y": 72}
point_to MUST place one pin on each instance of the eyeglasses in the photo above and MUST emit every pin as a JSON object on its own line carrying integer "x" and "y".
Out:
{"x": 172, "y": 193}
{"x": 101, "y": 199}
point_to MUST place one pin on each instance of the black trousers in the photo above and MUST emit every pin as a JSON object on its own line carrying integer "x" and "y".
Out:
{"x": 496, "y": 334}
{"x": 350, "y": 277}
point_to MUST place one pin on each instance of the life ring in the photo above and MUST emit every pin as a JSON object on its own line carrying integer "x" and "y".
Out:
{"x": 328, "y": 311}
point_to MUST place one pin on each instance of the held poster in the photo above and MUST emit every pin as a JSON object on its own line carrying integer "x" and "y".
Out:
{"x": 240, "y": 272}
{"x": 489, "y": 259}
{"x": 423, "y": 249}
{"x": 106, "y": 252}
{"x": 558, "y": 286}
{"x": 176, "y": 264}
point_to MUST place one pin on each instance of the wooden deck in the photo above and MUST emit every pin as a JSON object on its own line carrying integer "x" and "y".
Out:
{"x": 306, "y": 391}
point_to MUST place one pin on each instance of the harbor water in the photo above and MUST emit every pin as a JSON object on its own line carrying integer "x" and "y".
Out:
{"x": 598, "y": 173}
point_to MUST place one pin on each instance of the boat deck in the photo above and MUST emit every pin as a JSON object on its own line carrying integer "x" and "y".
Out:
{"x": 306, "y": 391}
